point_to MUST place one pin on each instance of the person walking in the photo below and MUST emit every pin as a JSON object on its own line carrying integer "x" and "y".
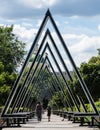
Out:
{"x": 48, "y": 112}
{"x": 38, "y": 110}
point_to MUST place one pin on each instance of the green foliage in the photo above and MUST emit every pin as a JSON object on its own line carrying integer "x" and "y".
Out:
{"x": 1, "y": 67}
{"x": 11, "y": 55}
{"x": 91, "y": 74}
{"x": 6, "y": 81}
{"x": 57, "y": 100}
{"x": 11, "y": 49}
{"x": 98, "y": 51}
{"x": 98, "y": 105}
{"x": 4, "y": 92}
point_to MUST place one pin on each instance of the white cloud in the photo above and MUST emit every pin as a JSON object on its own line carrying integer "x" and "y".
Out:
{"x": 37, "y": 3}
{"x": 73, "y": 36}
{"x": 74, "y": 17}
{"x": 39, "y": 23}
{"x": 66, "y": 22}
{"x": 26, "y": 24}
{"x": 98, "y": 27}
{"x": 86, "y": 44}
{"x": 81, "y": 30}
{"x": 18, "y": 9}
{"x": 24, "y": 34}
{"x": 57, "y": 23}
{"x": 83, "y": 47}
{"x": 1, "y": 24}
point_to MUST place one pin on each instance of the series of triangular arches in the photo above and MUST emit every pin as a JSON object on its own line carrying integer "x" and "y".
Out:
{"x": 21, "y": 98}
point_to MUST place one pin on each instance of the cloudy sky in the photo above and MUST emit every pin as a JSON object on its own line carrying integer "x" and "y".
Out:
{"x": 77, "y": 20}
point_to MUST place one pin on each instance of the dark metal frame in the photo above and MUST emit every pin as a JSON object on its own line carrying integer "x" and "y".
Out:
{"x": 83, "y": 85}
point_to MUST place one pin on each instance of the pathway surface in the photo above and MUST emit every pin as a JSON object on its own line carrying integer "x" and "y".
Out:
{"x": 56, "y": 123}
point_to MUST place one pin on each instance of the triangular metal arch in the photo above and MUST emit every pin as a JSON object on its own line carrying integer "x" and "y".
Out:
{"x": 15, "y": 86}
{"x": 47, "y": 32}
{"x": 26, "y": 78}
{"x": 36, "y": 80}
{"x": 47, "y": 45}
{"x": 83, "y": 85}
{"x": 71, "y": 94}
{"x": 35, "y": 70}
{"x": 34, "y": 73}
{"x": 37, "y": 77}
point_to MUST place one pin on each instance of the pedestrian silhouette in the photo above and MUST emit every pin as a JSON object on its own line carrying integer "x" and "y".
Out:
{"x": 49, "y": 112}
{"x": 38, "y": 110}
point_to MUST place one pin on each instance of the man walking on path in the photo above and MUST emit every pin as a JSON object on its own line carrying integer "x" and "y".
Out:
{"x": 38, "y": 110}
{"x": 48, "y": 112}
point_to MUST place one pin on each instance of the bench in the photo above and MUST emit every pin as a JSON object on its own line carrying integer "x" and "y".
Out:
{"x": 83, "y": 116}
{"x": 69, "y": 115}
{"x": 56, "y": 112}
{"x": 60, "y": 113}
{"x": 65, "y": 114}
{"x": 15, "y": 119}
{"x": 74, "y": 116}
{"x": 97, "y": 121}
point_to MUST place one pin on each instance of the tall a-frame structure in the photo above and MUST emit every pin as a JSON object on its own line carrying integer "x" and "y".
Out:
{"x": 20, "y": 98}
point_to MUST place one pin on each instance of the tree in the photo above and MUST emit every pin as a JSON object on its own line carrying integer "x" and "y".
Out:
{"x": 98, "y": 51}
{"x": 11, "y": 55}
{"x": 11, "y": 49}
{"x": 91, "y": 74}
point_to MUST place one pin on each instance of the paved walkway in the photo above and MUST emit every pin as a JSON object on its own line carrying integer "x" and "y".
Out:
{"x": 56, "y": 123}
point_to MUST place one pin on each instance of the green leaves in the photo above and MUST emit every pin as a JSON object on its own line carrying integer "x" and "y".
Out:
{"x": 11, "y": 55}
{"x": 91, "y": 74}
{"x": 11, "y": 49}
{"x": 1, "y": 67}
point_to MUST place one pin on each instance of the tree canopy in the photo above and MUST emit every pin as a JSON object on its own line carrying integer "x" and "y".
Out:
{"x": 91, "y": 74}
{"x": 12, "y": 52}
